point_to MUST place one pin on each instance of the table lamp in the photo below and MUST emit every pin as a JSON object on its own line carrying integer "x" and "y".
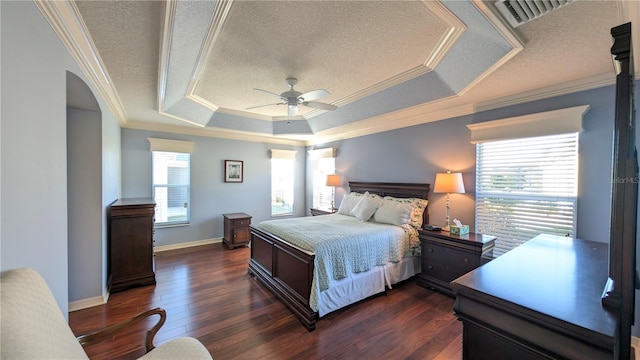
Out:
{"x": 333, "y": 180}
{"x": 448, "y": 183}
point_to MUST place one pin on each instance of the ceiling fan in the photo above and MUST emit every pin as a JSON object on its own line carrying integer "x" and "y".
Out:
{"x": 293, "y": 98}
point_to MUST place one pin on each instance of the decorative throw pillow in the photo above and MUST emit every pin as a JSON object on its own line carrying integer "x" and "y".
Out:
{"x": 366, "y": 207}
{"x": 349, "y": 201}
{"x": 394, "y": 213}
{"x": 418, "y": 208}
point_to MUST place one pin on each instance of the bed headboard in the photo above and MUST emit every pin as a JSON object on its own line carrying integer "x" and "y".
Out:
{"x": 399, "y": 190}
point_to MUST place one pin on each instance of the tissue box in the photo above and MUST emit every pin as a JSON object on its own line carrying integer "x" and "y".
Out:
{"x": 459, "y": 230}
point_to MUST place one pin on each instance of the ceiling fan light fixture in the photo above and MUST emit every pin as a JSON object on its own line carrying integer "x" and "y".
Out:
{"x": 293, "y": 98}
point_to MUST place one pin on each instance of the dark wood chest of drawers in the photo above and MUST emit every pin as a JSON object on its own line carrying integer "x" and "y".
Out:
{"x": 131, "y": 243}
{"x": 236, "y": 230}
{"x": 446, "y": 257}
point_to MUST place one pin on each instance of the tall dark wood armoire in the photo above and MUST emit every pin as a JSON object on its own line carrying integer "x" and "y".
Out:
{"x": 131, "y": 243}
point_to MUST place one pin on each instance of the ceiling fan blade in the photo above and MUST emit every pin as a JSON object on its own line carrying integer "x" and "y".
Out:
{"x": 254, "y": 107}
{"x": 292, "y": 110}
{"x": 314, "y": 95}
{"x": 319, "y": 105}
{"x": 268, "y": 92}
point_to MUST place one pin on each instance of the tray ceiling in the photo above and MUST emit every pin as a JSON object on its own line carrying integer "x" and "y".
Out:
{"x": 192, "y": 66}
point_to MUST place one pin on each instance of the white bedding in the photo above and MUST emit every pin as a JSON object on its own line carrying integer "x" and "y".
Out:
{"x": 353, "y": 259}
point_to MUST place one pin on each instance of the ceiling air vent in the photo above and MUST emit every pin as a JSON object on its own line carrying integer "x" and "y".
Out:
{"x": 518, "y": 12}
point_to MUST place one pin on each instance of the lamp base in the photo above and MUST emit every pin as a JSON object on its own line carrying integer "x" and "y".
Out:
{"x": 446, "y": 228}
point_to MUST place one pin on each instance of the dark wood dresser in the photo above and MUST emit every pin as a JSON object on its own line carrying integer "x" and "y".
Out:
{"x": 541, "y": 300}
{"x": 236, "y": 230}
{"x": 131, "y": 243}
{"x": 446, "y": 257}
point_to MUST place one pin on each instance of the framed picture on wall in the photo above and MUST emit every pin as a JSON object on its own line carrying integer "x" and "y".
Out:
{"x": 233, "y": 170}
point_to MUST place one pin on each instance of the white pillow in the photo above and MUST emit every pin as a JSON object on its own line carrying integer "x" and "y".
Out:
{"x": 393, "y": 213}
{"x": 349, "y": 201}
{"x": 366, "y": 207}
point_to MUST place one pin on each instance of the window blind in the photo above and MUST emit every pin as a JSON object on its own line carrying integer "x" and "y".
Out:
{"x": 526, "y": 187}
{"x": 171, "y": 187}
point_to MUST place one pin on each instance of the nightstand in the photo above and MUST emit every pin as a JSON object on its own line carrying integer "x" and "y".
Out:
{"x": 316, "y": 212}
{"x": 236, "y": 230}
{"x": 446, "y": 257}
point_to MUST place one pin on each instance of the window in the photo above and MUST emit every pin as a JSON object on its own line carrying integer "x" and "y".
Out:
{"x": 323, "y": 163}
{"x": 171, "y": 181}
{"x": 526, "y": 187}
{"x": 171, "y": 187}
{"x": 282, "y": 174}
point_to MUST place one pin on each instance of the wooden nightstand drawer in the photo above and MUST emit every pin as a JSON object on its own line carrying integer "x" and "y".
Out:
{"x": 448, "y": 255}
{"x": 241, "y": 223}
{"x": 447, "y": 271}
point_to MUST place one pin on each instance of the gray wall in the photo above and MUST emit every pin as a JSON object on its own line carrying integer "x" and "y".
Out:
{"x": 417, "y": 153}
{"x": 210, "y": 195}
{"x": 33, "y": 206}
{"x": 84, "y": 203}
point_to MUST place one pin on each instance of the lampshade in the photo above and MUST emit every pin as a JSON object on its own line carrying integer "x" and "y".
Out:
{"x": 333, "y": 180}
{"x": 448, "y": 183}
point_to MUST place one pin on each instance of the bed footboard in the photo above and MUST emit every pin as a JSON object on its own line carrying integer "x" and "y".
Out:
{"x": 286, "y": 271}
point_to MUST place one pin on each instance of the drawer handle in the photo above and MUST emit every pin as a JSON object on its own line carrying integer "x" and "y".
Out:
{"x": 466, "y": 260}
{"x": 430, "y": 267}
{"x": 430, "y": 250}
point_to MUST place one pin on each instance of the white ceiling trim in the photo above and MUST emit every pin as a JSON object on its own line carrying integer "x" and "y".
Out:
{"x": 167, "y": 20}
{"x": 219, "y": 16}
{"x": 449, "y": 38}
{"x": 446, "y": 109}
{"x": 456, "y": 28}
{"x": 506, "y": 31}
{"x": 416, "y": 115}
{"x": 65, "y": 19}
{"x": 257, "y": 116}
{"x": 601, "y": 80}
{"x": 199, "y": 113}
{"x": 212, "y": 132}
{"x": 162, "y": 112}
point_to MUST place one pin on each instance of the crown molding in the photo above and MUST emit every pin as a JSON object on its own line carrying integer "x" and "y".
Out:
{"x": 593, "y": 82}
{"x": 212, "y": 132}
{"x": 446, "y": 42}
{"x": 507, "y": 33}
{"x": 167, "y": 20}
{"x": 66, "y": 21}
{"x": 449, "y": 38}
{"x": 416, "y": 115}
{"x": 219, "y": 16}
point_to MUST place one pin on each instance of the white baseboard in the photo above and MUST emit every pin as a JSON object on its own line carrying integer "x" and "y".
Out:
{"x": 101, "y": 300}
{"x": 184, "y": 245}
{"x": 90, "y": 302}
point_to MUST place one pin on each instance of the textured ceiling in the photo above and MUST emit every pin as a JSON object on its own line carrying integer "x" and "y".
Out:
{"x": 190, "y": 66}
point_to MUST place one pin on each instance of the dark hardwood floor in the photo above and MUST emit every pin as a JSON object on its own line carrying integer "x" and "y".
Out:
{"x": 208, "y": 295}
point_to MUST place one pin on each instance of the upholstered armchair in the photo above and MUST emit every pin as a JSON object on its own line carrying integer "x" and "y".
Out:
{"x": 32, "y": 326}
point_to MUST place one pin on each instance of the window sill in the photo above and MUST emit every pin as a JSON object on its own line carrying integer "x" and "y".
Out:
{"x": 170, "y": 225}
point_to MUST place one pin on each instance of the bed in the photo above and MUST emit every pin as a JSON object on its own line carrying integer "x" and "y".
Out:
{"x": 288, "y": 269}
